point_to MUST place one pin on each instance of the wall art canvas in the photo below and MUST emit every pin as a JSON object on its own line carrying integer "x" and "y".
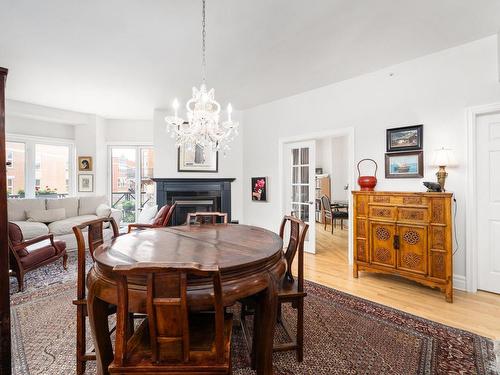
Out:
{"x": 197, "y": 159}
{"x": 86, "y": 183}
{"x": 404, "y": 165}
{"x": 259, "y": 189}
{"x": 408, "y": 138}
{"x": 85, "y": 163}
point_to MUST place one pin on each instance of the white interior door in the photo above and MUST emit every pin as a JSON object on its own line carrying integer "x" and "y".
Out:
{"x": 488, "y": 200}
{"x": 302, "y": 164}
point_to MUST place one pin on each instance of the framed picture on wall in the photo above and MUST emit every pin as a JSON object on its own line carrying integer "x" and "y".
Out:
{"x": 85, "y": 163}
{"x": 404, "y": 165}
{"x": 86, "y": 183}
{"x": 408, "y": 138}
{"x": 259, "y": 189}
{"x": 197, "y": 159}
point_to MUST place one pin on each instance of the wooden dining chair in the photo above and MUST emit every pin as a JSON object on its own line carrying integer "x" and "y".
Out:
{"x": 332, "y": 213}
{"x": 206, "y": 218}
{"x": 172, "y": 340}
{"x": 291, "y": 289}
{"x": 162, "y": 219}
{"x": 95, "y": 235}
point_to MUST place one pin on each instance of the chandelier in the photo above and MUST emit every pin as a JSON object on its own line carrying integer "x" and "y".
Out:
{"x": 202, "y": 126}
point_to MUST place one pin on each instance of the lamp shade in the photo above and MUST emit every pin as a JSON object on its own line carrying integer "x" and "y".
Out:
{"x": 443, "y": 157}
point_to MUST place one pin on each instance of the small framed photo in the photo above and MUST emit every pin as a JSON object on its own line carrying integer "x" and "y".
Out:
{"x": 259, "y": 189}
{"x": 404, "y": 165}
{"x": 86, "y": 183}
{"x": 408, "y": 138}
{"x": 197, "y": 159}
{"x": 85, "y": 163}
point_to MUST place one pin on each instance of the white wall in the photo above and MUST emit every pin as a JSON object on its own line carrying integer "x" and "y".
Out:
{"x": 38, "y": 128}
{"x": 136, "y": 131}
{"x": 433, "y": 90}
{"x": 340, "y": 168}
{"x": 324, "y": 155}
{"x": 229, "y": 166}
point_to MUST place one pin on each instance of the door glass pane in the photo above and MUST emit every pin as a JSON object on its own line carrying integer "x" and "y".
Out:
{"x": 304, "y": 175}
{"x": 304, "y": 156}
{"x": 295, "y": 175}
{"x": 16, "y": 156}
{"x": 147, "y": 184}
{"x": 304, "y": 193}
{"x": 51, "y": 171}
{"x": 304, "y": 213}
{"x": 295, "y": 156}
{"x": 123, "y": 179}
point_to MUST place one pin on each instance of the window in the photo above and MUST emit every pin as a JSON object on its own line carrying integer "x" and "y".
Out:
{"x": 40, "y": 167}
{"x": 131, "y": 172}
{"x": 17, "y": 170}
{"x": 10, "y": 185}
{"x": 51, "y": 169}
{"x": 10, "y": 158}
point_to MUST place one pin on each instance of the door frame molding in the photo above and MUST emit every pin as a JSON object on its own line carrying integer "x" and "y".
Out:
{"x": 471, "y": 253}
{"x": 348, "y": 132}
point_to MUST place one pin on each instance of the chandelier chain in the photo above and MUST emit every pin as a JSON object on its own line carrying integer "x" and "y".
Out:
{"x": 203, "y": 45}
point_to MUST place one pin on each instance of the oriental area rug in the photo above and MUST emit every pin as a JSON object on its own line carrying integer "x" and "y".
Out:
{"x": 343, "y": 335}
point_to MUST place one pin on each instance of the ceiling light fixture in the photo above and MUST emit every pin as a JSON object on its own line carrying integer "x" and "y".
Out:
{"x": 202, "y": 126}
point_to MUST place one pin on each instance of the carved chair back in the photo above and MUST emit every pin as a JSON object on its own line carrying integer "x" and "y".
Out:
{"x": 206, "y": 218}
{"x": 167, "y": 310}
{"x": 326, "y": 204}
{"x": 95, "y": 236}
{"x": 297, "y": 235}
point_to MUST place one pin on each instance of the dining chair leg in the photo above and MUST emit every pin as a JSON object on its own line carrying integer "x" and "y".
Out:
{"x": 331, "y": 222}
{"x": 300, "y": 330}
{"x": 80, "y": 340}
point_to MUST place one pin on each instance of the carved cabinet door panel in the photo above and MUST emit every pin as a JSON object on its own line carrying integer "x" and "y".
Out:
{"x": 382, "y": 250}
{"x": 412, "y": 252}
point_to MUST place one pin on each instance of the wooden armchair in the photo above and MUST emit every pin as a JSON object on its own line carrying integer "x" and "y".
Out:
{"x": 291, "y": 290}
{"x": 25, "y": 256}
{"x": 95, "y": 236}
{"x": 171, "y": 340}
{"x": 206, "y": 218}
{"x": 162, "y": 219}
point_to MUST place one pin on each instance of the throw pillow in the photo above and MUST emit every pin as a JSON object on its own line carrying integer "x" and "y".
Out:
{"x": 46, "y": 216}
{"x": 103, "y": 210}
{"x": 147, "y": 214}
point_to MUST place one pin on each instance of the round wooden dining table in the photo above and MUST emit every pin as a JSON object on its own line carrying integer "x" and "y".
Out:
{"x": 250, "y": 260}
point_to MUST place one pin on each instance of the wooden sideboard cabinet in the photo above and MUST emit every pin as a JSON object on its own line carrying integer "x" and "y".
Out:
{"x": 405, "y": 234}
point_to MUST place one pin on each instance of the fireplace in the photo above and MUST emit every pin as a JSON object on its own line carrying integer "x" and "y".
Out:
{"x": 194, "y": 195}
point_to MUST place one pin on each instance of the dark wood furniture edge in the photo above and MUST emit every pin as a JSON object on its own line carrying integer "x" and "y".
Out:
{"x": 5, "y": 340}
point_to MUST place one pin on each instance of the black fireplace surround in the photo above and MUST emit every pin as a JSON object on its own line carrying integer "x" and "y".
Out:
{"x": 194, "y": 195}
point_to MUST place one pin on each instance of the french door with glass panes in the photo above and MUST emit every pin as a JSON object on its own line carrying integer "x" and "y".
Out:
{"x": 303, "y": 164}
{"x": 131, "y": 185}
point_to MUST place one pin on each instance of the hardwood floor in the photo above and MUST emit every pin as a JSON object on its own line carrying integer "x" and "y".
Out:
{"x": 475, "y": 312}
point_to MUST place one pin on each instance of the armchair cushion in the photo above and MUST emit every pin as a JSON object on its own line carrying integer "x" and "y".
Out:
{"x": 161, "y": 215}
{"x": 31, "y": 229}
{"x": 41, "y": 251}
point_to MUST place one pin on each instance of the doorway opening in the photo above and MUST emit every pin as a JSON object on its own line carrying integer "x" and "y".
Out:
{"x": 316, "y": 171}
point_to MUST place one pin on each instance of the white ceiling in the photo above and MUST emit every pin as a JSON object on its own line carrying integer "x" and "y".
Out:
{"x": 123, "y": 58}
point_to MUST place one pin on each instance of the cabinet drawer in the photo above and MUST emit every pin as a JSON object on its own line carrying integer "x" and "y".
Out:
{"x": 382, "y": 212}
{"x": 413, "y": 214}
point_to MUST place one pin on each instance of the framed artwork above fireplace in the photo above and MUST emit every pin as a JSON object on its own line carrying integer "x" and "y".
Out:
{"x": 197, "y": 159}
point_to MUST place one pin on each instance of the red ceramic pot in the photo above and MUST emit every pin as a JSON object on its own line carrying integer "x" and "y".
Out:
{"x": 367, "y": 183}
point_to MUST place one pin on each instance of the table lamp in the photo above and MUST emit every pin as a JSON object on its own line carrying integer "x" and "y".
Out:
{"x": 442, "y": 158}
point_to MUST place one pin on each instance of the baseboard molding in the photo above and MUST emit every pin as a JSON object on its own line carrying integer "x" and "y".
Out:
{"x": 459, "y": 282}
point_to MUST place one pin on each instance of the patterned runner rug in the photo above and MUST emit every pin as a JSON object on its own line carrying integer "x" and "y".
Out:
{"x": 343, "y": 335}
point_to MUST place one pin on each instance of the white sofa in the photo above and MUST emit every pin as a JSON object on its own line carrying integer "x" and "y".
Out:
{"x": 69, "y": 211}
